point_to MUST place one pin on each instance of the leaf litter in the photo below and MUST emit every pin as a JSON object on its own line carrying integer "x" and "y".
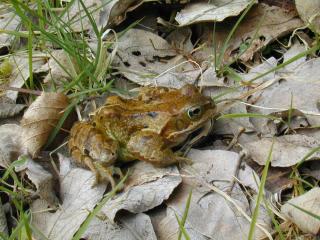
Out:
{"x": 40, "y": 119}
{"x": 224, "y": 175}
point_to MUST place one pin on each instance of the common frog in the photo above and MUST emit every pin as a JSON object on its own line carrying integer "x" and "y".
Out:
{"x": 143, "y": 128}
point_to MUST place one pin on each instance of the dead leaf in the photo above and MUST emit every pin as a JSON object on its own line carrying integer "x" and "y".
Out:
{"x": 9, "y": 21}
{"x": 310, "y": 202}
{"x": 10, "y": 109}
{"x": 104, "y": 13}
{"x": 147, "y": 59}
{"x": 145, "y": 189}
{"x": 309, "y": 13}
{"x": 215, "y": 11}
{"x": 287, "y": 150}
{"x": 56, "y": 73}
{"x": 262, "y": 25}
{"x": 278, "y": 179}
{"x": 180, "y": 39}
{"x": 42, "y": 179}
{"x": 301, "y": 86}
{"x": 210, "y": 215}
{"x": 266, "y": 66}
{"x": 20, "y": 73}
{"x": 10, "y": 145}
{"x": 248, "y": 177}
{"x": 78, "y": 199}
{"x": 293, "y": 51}
{"x": 312, "y": 168}
{"x": 40, "y": 118}
{"x": 130, "y": 227}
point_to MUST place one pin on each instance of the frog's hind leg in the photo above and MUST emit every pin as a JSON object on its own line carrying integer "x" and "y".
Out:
{"x": 151, "y": 147}
{"x": 93, "y": 150}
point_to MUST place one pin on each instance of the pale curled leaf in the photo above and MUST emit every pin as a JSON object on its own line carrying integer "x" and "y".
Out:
{"x": 78, "y": 199}
{"x": 9, "y": 21}
{"x": 287, "y": 151}
{"x": 21, "y": 73}
{"x": 10, "y": 145}
{"x": 210, "y": 216}
{"x": 59, "y": 68}
{"x": 42, "y": 179}
{"x": 145, "y": 190}
{"x": 104, "y": 13}
{"x": 215, "y": 11}
{"x": 40, "y": 118}
{"x": 310, "y": 202}
{"x": 130, "y": 227}
{"x": 10, "y": 109}
{"x": 309, "y": 12}
{"x": 147, "y": 59}
{"x": 262, "y": 25}
{"x": 300, "y": 86}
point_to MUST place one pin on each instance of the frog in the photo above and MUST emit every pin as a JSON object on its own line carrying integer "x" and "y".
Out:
{"x": 146, "y": 127}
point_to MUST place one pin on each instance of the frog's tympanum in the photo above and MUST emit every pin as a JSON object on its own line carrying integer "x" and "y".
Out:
{"x": 143, "y": 128}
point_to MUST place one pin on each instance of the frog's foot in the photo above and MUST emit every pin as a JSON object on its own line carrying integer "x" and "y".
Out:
{"x": 184, "y": 160}
{"x": 106, "y": 174}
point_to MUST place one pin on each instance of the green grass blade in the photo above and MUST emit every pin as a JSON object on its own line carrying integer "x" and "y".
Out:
{"x": 4, "y": 236}
{"x": 253, "y": 115}
{"x": 185, "y": 214}
{"x": 260, "y": 194}
{"x": 182, "y": 229}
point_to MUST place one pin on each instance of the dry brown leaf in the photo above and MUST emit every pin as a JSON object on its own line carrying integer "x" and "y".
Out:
{"x": 310, "y": 202}
{"x": 40, "y": 118}
{"x": 278, "y": 179}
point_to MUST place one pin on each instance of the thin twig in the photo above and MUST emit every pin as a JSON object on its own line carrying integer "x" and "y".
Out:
{"x": 22, "y": 90}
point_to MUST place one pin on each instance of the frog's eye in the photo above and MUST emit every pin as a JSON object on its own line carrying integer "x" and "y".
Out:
{"x": 194, "y": 112}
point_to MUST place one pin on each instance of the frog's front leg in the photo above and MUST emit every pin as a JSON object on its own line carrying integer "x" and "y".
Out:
{"x": 94, "y": 150}
{"x": 151, "y": 147}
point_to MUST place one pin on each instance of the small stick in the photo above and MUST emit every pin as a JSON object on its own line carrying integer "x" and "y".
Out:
{"x": 22, "y": 90}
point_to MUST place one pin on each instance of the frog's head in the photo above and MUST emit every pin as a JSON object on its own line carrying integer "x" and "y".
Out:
{"x": 189, "y": 112}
